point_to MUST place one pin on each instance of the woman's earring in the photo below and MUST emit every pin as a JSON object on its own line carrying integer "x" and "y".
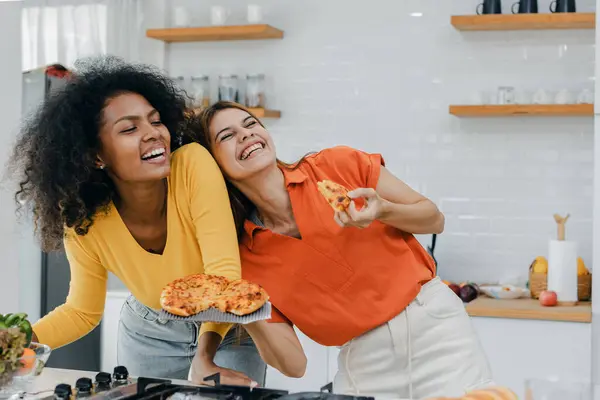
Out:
{"x": 102, "y": 167}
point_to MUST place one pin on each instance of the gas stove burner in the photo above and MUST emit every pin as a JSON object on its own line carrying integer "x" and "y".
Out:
{"x": 324, "y": 394}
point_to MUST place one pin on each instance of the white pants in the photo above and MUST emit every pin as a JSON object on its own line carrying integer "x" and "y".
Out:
{"x": 428, "y": 350}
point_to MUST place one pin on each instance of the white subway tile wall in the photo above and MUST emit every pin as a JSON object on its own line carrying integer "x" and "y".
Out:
{"x": 380, "y": 75}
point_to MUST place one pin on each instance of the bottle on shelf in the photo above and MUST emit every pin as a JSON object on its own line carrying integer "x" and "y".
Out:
{"x": 228, "y": 88}
{"x": 200, "y": 91}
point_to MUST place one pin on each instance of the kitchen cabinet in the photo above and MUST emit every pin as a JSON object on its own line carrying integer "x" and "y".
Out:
{"x": 110, "y": 329}
{"x": 520, "y": 349}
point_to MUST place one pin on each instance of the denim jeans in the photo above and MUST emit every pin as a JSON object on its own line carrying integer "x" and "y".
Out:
{"x": 151, "y": 347}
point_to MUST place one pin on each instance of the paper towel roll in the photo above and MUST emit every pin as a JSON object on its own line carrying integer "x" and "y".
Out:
{"x": 562, "y": 269}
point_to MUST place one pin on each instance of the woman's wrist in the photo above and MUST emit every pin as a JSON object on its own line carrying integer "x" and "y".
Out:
{"x": 386, "y": 209}
{"x": 208, "y": 343}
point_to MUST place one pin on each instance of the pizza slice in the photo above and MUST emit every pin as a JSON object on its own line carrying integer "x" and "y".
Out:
{"x": 335, "y": 194}
{"x": 192, "y": 294}
{"x": 241, "y": 297}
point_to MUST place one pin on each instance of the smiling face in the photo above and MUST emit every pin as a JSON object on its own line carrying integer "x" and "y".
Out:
{"x": 135, "y": 145}
{"x": 240, "y": 144}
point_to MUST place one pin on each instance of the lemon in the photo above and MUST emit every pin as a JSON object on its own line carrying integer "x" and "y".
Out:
{"x": 540, "y": 265}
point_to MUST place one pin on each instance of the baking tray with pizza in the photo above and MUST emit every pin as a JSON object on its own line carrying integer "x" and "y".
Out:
{"x": 210, "y": 298}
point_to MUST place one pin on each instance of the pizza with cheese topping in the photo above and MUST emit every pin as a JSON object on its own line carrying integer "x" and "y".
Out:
{"x": 335, "y": 194}
{"x": 193, "y": 294}
{"x": 241, "y": 298}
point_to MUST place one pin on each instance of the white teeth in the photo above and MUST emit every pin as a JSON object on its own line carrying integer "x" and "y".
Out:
{"x": 246, "y": 153}
{"x": 154, "y": 152}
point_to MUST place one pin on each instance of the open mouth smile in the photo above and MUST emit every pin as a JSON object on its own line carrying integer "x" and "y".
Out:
{"x": 155, "y": 156}
{"x": 252, "y": 149}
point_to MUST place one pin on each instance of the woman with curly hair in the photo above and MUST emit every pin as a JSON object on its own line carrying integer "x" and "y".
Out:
{"x": 101, "y": 172}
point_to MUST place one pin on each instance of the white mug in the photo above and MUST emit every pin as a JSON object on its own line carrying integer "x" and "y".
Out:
{"x": 540, "y": 97}
{"x": 479, "y": 98}
{"x": 563, "y": 97}
{"x": 585, "y": 97}
{"x": 218, "y": 15}
{"x": 181, "y": 17}
{"x": 254, "y": 13}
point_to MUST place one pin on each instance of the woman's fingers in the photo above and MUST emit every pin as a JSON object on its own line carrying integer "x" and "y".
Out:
{"x": 367, "y": 193}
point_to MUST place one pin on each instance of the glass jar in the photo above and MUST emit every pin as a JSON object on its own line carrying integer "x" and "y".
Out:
{"x": 200, "y": 91}
{"x": 506, "y": 95}
{"x": 228, "y": 88}
{"x": 180, "y": 81}
{"x": 255, "y": 90}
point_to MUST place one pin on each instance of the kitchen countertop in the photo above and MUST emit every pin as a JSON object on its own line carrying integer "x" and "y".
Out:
{"x": 43, "y": 385}
{"x": 528, "y": 309}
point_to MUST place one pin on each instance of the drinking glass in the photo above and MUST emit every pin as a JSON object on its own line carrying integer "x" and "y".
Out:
{"x": 557, "y": 389}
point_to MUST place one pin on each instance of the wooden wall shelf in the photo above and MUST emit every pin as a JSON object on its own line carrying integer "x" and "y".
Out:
{"x": 512, "y": 22}
{"x": 215, "y": 33}
{"x": 265, "y": 113}
{"x": 523, "y": 110}
{"x": 259, "y": 112}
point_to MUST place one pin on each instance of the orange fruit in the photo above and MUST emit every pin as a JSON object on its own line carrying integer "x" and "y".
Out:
{"x": 27, "y": 361}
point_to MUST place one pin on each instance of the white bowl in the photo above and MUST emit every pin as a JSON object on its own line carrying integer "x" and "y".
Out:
{"x": 505, "y": 291}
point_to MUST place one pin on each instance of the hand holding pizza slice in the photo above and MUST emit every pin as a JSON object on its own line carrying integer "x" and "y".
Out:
{"x": 371, "y": 211}
{"x": 346, "y": 213}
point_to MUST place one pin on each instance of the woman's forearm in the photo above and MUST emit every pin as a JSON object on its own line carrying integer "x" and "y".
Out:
{"x": 63, "y": 325}
{"x": 422, "y": 217}
{"x": 208, "y": 343}
{"x": 279, "y": 347}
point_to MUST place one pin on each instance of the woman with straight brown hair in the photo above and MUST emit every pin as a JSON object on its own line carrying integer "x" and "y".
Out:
{"x": 357, "y": 279}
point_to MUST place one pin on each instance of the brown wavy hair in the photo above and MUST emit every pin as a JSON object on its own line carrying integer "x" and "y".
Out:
{"x": 241, "y": 205}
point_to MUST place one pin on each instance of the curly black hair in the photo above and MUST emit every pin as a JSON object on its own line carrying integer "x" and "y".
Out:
{"x": 56, "y": 150}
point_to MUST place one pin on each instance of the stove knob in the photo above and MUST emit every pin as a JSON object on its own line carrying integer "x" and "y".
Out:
{"x": 103, "y": 379}
{"x": 83, "y": 385}
{"x": 120, "y": 373}
{"x": 62, "y": 391}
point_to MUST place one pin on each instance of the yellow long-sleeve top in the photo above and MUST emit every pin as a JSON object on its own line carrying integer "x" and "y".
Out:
{"x": 201, "y": 238}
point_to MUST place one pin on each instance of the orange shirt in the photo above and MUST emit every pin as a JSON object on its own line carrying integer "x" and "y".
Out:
{"x": 335, "y": 283}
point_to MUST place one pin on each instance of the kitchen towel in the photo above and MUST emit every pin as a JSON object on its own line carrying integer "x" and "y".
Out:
{"x": 562, "y": 270}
